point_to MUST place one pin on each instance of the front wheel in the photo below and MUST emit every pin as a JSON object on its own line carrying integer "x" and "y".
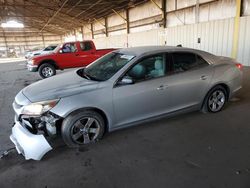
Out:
{"x": 46, "y": 70}
{"x": 215, "y": 100}
{"x": 82, "y": 128}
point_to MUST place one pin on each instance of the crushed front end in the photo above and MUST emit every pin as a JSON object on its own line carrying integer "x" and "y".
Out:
{"x": 31, "y": 132}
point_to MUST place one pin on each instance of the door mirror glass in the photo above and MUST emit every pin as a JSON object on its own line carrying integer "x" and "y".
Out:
{"x": 126, "y": 81}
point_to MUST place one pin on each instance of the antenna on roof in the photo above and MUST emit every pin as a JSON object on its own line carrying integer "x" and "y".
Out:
{"x": 179, "y": 45}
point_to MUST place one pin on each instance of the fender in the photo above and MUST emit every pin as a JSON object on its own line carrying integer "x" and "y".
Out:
{"x": 50, "y": 61}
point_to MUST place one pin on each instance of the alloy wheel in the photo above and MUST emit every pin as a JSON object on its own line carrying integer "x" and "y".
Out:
{"x": 216, "y": 101}
{"x": 85, "y": 130}
{"x": 47, "y": 72}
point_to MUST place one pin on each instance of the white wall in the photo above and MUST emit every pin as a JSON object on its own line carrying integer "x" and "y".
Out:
{"x": 145, "y": 38}
{"x": 244, "y": 41}
{"x": 213, "y": 25}
{"x": 216, "y": 37}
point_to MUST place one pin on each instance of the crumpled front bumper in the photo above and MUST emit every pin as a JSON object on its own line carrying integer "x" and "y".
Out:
{"x": 31, "y": 146}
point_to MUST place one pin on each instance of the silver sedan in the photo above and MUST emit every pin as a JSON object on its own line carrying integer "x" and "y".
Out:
{"x": 121, "y": 89}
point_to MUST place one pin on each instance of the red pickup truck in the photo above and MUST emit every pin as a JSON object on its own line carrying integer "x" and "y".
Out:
{"x": 67, "y": 55}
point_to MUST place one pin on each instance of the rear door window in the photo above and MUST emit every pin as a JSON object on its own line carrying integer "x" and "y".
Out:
{"x": 85, "y": 46}
{"x": 184, "y": 61}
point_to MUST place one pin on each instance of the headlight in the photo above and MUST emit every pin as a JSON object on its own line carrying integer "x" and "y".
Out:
{"x": 30, "y": 61}
{"x": 37, "y": 109}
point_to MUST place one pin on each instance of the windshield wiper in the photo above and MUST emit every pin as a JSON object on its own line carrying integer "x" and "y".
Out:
{"x": 89, "y": 77}
{"x": 84, "y": 75}
{"x": 92, "y": 78}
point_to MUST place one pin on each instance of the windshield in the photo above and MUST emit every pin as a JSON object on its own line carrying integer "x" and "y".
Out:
{"x": 105, "y": 67}
{"x": 50, "y": 48}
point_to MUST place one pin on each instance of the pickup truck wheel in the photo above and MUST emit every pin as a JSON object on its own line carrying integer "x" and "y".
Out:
{"x": 82, "y": 128}
{"x": 46, "y": 70}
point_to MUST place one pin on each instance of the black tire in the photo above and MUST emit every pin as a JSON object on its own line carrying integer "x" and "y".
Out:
{"x": 207, "y": 106}
{"x": 70, "y": 128}
{"x": 47, "y": 70}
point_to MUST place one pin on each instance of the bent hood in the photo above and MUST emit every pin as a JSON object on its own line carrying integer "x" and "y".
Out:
{"x": 59, "y": 86}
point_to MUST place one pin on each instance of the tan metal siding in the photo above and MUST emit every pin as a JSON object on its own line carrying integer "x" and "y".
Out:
{"x": 244, "y": 41}
{"x": 216, "y": 36}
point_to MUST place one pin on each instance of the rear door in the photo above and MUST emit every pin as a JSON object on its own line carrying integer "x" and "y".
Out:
{"x": 87, "y": 53}
{"x": 189, "y": 79}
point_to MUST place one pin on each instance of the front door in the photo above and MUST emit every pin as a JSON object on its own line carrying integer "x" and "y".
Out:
{"x": 148, "y": 96}
{"x": 69, "y": 56}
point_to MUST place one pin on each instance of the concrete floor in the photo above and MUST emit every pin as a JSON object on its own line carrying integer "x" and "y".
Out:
{"x": 191, "y": 150}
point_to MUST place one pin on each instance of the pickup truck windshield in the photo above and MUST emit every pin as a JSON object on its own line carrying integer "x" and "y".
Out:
{"x": 105, "y": 67}
{"x": 50, "y": 48}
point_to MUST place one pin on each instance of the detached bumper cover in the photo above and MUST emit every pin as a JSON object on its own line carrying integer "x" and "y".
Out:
{"x": 30, "y": 145}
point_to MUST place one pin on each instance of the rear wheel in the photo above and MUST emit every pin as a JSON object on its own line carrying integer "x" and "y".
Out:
{"x": 46, "y": 70}
{"x": 82, "y": 128}
{"x": 215, "y": 100}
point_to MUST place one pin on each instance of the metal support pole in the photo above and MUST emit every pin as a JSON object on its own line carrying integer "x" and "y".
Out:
{"x": 236, "y": 29}
{"x": 82, "y": 33}
{"x": 162, "y": 9}
{"x": 43, "y": 40}
{"x": 75, "y": 35}
{"x": 92, "y": 31}
{"x": 164, "y": 12}
{"x": 5, "y": 42}
{"x": 197, "y": 11}
{"x": 106, "y": 26}
{"x": 127, "y": 21}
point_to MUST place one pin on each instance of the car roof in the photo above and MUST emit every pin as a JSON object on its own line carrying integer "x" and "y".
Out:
{"x": 154, "y": 49}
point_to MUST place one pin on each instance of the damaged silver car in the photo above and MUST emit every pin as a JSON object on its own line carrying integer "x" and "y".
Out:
{"x": 123, "y": 88}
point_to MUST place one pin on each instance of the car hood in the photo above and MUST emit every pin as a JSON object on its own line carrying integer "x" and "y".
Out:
{"x": 59, "y": 86}
{"x": 34, "y": 52}
{"x": 43, "y": 55}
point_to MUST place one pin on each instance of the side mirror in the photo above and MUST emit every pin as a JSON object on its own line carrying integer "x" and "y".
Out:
{"x": 60, "y": 51}
{"x": 126, "y": 81}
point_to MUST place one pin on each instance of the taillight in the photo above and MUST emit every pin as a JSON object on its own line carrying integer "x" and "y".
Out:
{"x": 239, "y": 66}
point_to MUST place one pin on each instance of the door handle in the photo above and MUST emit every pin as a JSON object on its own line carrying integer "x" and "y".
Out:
{"x": 77, "y": 54}
{"x": 204, "y": 77}
{"x": 162, "y": 87}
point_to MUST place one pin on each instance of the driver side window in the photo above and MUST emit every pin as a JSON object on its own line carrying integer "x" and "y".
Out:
{"x": 148, "y": 68}
{"x": 69, "y": 48}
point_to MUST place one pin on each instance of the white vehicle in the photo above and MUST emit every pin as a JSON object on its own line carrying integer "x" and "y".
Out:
{"x": 46, "y": 50}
